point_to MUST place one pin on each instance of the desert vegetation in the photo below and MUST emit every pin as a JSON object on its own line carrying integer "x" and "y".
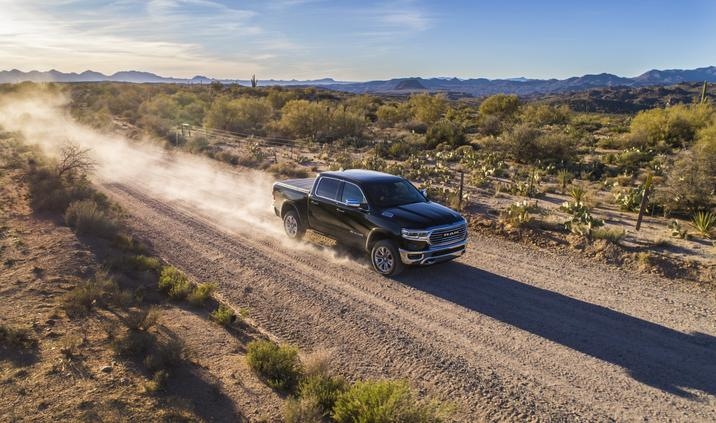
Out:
{"x": 508, "y": 151}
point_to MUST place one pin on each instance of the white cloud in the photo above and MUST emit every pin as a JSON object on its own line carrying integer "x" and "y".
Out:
{"x": 173, "y": 37}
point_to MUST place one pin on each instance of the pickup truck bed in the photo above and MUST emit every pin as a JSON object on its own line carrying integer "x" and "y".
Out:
{"x": 302, "y": 185}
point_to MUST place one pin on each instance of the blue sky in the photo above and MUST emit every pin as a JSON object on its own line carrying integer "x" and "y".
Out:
{"x": 358, "y": 40}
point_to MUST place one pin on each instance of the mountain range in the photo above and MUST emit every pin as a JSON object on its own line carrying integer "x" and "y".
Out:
{"x": 467, "y": 87}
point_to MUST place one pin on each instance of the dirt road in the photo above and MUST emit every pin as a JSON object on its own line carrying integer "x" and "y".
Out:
{"x": 506, "y": 332}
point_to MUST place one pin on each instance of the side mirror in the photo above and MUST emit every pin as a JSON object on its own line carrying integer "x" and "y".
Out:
{"x": 355, "y": 204}
{"x": 424, "y": 192}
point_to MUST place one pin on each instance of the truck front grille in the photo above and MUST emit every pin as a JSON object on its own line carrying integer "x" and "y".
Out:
{"x": 450, "y": 235}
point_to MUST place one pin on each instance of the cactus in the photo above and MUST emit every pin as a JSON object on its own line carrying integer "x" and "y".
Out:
{"x": 253, "y": 81}
{"x": 703, "y": 92}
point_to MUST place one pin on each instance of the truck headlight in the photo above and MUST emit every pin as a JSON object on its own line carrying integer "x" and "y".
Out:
{"x": 416, "y": 235}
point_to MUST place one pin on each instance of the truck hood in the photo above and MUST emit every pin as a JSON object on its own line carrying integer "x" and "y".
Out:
{"x": 422, "y": 215}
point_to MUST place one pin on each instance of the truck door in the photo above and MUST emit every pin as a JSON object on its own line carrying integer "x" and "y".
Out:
{"x": 322, "y": 205}
{"x": 353, "y": 219}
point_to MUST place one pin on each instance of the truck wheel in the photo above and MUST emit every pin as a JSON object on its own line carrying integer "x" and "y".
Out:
{"x": 385, "y": 258}
{"x": 292, "y": 225}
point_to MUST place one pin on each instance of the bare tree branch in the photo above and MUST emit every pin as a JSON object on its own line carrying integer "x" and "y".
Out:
{"x": 74, "y": 161}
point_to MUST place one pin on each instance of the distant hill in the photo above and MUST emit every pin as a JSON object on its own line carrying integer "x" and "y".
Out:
{"x": 453, "y": 86}
{"x": 409, "y": 85}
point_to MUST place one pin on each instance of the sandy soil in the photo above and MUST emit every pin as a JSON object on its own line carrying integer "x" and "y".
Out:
{"x": 507, "y": 332}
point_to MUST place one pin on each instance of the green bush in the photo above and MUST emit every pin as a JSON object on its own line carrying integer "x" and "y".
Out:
{"x": 143, "y": 263}
{"x": 302, "y": 410}
{"x": 444, "y": 132}
{"x": 174, "y": 282}
{"x": 87, "y": 218}
{"x": 278, "y": 365}
{"x": 325, "y": 389}
{"x": 383, "y": 401}
{"x": 201, "y": 293}
{"x": 223, "y": 315}
{"x": 99, "y": 291}
{"x": 502, "y": 105}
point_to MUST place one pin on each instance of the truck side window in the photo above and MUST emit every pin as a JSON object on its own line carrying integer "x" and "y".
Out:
{"x": 352, "y": 193}
{"x": 328, "y": 188}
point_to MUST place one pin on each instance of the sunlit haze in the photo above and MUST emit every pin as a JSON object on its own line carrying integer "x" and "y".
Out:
{"x": 357, "y": 40}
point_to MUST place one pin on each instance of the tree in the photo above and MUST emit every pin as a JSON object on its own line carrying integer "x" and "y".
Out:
{"x": 444, "y": 132}
{"x": 428, "y": 108}
{"x": 502, "y": 105}
{"x": 74, "y": 162}
{"x": 305, "y": 119}
{"x": 241, "y": 114}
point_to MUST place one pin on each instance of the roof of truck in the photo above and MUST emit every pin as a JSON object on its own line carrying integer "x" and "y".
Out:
{"x": 361, "y": 175}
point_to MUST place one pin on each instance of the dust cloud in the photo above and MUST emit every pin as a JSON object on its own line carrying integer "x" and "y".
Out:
{"x": 235, "y": 200}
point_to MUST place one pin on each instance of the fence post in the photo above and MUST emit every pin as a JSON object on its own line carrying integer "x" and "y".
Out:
{"x": 644, "y": 200}
{"x": 462, "y": 183}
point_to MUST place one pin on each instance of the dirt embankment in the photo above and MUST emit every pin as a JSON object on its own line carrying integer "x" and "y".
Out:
{"x": 72, "y": 372}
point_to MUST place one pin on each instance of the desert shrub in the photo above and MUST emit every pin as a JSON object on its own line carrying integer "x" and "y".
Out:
{"x": 393, "y": 114}
{"x": 346, "y": 124}
{"x": 133, "y": 344}
{"x": 675, "y": 126}
{"x": 304, "y": 119}
{"x": 128, "y": 244}
{"x": 157, "y": 383}
{"x": 201, "y": 293}
{"x": 197, "y": 143}
{"x": 444, "y": 132}
{"x": 98, "y": 291}
{"x": 502, "y": 105}
{"x": 142, "y": 319}
{"x": 278, "y": 365}
{"x": 704, "y": 223}
{"x": 546, "y": 114}
{"x": 18, "y": 338}
{"x": 174, "y": 282}
{"x": 383, "y": 401}
{"x": 690, "y": 183}
{"x": 427, "y": 108}
{"x": 554, "y": 148}
{"x": 223, "y": 315}
{"x": 165, "y": 354}
{"x": 141, "y": 263}
{"x": 521, "y": 143}
{"x": 49, "y": 192}
{"x": 613, "y": 235}
{"x": 244, "y": 114}
{"x": 302, "y": 410}
{"x": 289, "y": 170}
{"x": 324, "y": 388}
{"x": 632, "y": 159}
{"x": 87, "y": 218}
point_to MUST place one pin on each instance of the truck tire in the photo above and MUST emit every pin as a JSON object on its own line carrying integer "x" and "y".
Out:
{"x": 385, "y": 258}
{"x": 292, "y": 225}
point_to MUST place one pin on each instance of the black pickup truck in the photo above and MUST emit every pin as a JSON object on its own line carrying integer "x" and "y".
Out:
{"x": 382, "y": 214}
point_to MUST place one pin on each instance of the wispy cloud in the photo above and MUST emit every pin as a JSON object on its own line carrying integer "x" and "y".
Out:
{"x": 176, "y": 37}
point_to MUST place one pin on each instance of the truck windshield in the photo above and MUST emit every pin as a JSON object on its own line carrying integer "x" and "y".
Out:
{"x": 393, "y": 193}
